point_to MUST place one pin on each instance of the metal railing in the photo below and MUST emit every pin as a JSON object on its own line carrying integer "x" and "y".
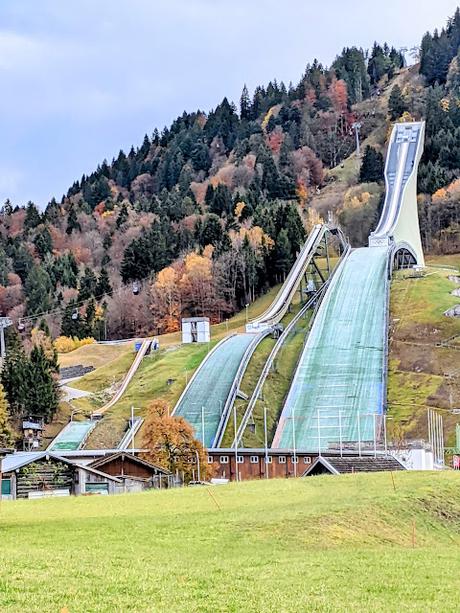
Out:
{"x": 236, "y": 385}
{"x": 315, "y": 299}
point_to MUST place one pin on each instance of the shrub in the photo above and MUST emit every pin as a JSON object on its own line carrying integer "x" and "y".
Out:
{"x": 66, "y": 344}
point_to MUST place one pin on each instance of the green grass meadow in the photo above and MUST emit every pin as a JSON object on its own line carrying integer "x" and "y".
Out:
{"x": 351, "y": 543}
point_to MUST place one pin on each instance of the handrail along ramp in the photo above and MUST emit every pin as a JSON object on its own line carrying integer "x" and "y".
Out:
{"x": 340, "y": 383}
{"x": 280, "y": 304}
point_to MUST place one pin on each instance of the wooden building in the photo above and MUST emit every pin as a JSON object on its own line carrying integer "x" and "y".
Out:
{"x": 352, "y": 464}
{"x": 282, "y": 463}
{"x": 41, "y": 474}
{"x": 135, "y": 474}
{"x": 251, "y": 463}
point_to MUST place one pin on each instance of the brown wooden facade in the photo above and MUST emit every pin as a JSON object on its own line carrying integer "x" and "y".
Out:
{"x": 251, "y": 463}
{"x": 131, "y": 470}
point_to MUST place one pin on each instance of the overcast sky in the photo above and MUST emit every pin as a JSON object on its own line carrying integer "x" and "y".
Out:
{"x": 81, "y": 79}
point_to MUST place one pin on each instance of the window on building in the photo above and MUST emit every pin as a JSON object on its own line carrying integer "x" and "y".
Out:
{"x": 224, "y": 459}
{"x": 295, "y": 460}
{"x": 268, "y": 460}
{"x": 282, "y": 459}
{"x": 210, "y": 459}
{"x": 240, "y": 459}
{"x": 254, "y": 459}
{"x": 307, "y": 460}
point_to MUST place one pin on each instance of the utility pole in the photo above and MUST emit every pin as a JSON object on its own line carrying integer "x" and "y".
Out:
{"x": 236, "y": 444}
{"x": 266, "y": 442}
{"x": 357, "y": 127}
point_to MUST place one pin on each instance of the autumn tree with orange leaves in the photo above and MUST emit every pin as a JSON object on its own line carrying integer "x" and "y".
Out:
{"x": 171, "y": 444}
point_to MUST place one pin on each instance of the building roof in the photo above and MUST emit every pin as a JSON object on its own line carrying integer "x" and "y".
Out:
{"x": 15, "y": 461}
{"x": 193, "y": 319}
{"x": 364, "y": 464}
{"x": 100, "y": 462}
{"x": 32, "y": 425}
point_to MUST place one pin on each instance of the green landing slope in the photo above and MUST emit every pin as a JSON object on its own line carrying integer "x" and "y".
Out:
{"x": 338, "y": 387}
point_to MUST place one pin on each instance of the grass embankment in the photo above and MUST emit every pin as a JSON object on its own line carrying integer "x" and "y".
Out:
{"x": 339, "y": 544}
{"x": 423, "y": 374}
{"x": 175, "y": 363}
{"x": 93, "y": 355}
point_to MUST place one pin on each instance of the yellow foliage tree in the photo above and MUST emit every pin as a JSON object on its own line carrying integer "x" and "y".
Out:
{"x": 66, "y": 344}
{"x": 256, "y": 236}
{"x": 311, "y": 219}
{"x": 239, "y": 208}
{"x": 166, "y": 304}
{"x": 171, "y": 444}
{"x": 302, "y": 193}
{"x": 355, "y": 201}
{"x": 266, "y": 119}
{"x": 439, "y": 195}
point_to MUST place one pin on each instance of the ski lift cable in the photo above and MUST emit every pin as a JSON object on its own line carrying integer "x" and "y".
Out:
{"x": 31, "y": 318}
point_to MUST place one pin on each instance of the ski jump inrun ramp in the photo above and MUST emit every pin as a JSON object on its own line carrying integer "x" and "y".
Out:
{"x": 208, "y": 398}
{"x": 339, "y": 387}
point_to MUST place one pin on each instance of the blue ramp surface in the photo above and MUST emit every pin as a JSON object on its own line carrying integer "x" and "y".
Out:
{"x": 339, "y": 386}
{"x": 207, "y": 393}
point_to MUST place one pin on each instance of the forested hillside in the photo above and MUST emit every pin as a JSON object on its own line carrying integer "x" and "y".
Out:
{"x": 204, "y": 215}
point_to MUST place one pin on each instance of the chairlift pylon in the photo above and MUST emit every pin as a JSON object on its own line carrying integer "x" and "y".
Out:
{"x": 136, "y": 287}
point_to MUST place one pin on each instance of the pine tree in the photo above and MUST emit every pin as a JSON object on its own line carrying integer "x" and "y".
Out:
{"x": 211, "y": 231}
{"x": 103, "y": 286}
{"x": 147, "y": 254}
{"x": 209, "y": 196}
{"x": 33, "y": 217}
{"x": 282, "y": 255}
{"x": 72, "y": 221}
{"x": 245, "y": 104}
{"x": 6, "y": 433}
{"x": 42, "y": 397}
{"x": 14, "y": 375}
{"x": 122, "y": 215}
{"x": 4, "y": 267}
{"x": 88, "y": 284}
{"x": 372, "y": 166}
{"x": 43, "y": 242}
{"x": 38, "y": 290}
{"x": 396, "y": 103}
{"x": 71, "y": 324}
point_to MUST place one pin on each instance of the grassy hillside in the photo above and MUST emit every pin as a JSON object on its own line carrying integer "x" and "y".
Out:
{"x": 337, "y": 544}
{"x": 175, "y": 363}
{"x": 422, "y": 373}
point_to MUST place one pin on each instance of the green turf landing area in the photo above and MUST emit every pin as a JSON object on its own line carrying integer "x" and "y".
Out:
{"x": 318, "y": 544}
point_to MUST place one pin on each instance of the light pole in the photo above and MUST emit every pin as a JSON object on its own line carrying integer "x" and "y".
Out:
{"x": 198, "y": 464}
{"x": 74, "y": 412}
{"x": 294, "y": 443}
{"x": 246, "y": 306}
{"x": 132, "y": 427}
{"x": 236, "y": 443}
{"x": 226, "y": 325}
{"x": 266, "y": 442}
{"x": 357, "y": 127}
